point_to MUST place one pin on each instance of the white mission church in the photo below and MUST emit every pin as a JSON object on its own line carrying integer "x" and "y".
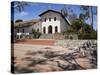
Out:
{"x": 50, "y": 22}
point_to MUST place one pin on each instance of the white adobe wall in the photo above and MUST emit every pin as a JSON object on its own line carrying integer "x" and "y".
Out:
{"x": 36, "y": 27}
{"x": 52, "y": 22}
{"x": 26, "y": 30}
{"x": 64, "y": 26}
{"x": 29, "y": 28}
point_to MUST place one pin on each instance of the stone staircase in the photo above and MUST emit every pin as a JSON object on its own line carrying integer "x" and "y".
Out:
{"x": 46, "y": 36}
{"x": 58, "y": 36}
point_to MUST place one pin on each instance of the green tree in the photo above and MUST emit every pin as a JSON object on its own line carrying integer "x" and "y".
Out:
{"x": 20, "y": 6}
{"x": 19, "y": 20}
{"x": 68, "y": 13}
{"x": 36, "y": 34}
{"x": 77, "y": 25}
{"x": 87, "y": 33}
{"x": 87, "y": 28}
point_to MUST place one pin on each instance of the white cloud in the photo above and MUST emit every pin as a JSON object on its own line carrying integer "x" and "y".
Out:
{"x": 23, "y": 13}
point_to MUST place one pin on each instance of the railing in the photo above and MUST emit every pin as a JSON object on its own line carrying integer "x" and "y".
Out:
{"x": 21, "y": 35}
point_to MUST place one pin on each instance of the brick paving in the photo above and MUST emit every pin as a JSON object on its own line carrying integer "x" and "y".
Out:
{"x": 36, "y": 41}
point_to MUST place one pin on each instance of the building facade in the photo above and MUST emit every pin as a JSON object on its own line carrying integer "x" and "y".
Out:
{"x": 50, "y": 22}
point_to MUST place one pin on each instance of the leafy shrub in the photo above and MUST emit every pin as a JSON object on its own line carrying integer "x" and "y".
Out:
{"x": 92, "y": 35}
{"x": 36, "y": 34}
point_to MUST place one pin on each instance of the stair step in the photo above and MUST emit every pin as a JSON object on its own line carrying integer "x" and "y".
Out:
{"x": 46, "y": 36}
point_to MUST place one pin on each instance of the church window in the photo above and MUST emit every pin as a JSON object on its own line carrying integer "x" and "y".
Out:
{"x": 45, "y": 19}
{"x": 49, "y": 19}
{"x": 54, "y": 18}
{"x": 23, "y": 30}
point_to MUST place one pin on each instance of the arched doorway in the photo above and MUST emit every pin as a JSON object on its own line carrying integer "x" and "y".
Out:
{"x": 56, "y": 29}
{"x": 43, "y": 30}
{"x": 23, "y": 30}
{"x": 50, "y": 29}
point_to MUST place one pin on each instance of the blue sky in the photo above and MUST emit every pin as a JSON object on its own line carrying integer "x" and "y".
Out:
{"x": 34, "y": 9}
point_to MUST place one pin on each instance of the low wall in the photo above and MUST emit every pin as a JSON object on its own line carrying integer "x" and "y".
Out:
{"x": 73, "y": 43}
{"x": 66, "y": 36}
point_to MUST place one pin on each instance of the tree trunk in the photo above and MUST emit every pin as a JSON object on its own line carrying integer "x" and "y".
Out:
{"x": 91, "y": 17}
